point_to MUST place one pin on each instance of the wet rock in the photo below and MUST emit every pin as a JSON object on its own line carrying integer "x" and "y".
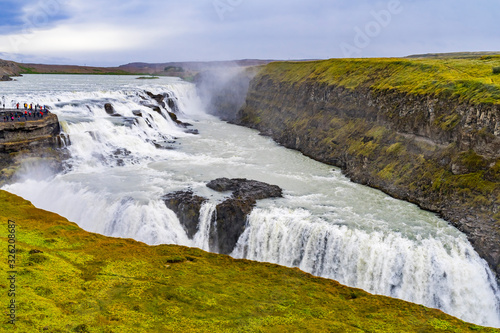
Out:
{"x": 231, "y": 215}
{"x": 243, "y": 188}
{"x": 6, "y": 78}
{"x": 192, "y": 131}
{"x": 109, "y": 108}
{"x": 229, "y": 221}
{"x": 158, "y": 98}
{"x": 187, "y": 207}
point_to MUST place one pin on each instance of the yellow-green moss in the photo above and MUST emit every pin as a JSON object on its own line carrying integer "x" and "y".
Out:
{"x": 467, "y": 79}
{"x": 83, "y": 282}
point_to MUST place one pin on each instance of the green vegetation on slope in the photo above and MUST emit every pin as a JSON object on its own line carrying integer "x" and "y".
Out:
{"x": 69, "y": 280}
{"x": 473, "y": 79}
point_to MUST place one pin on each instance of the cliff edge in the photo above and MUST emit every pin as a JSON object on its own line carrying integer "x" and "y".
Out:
{"x": 425, "y": 131}
{"x": 33, "y": 139}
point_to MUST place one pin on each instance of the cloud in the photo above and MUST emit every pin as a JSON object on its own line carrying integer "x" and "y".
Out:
{"x": 120, "y": 31}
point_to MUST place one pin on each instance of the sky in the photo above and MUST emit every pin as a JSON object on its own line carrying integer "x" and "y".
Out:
{"x": 116, "y": 32}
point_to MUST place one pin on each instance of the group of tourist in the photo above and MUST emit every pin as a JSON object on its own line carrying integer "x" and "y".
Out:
{"x": 31, "y": 111}
{"x": 33, "y": 107}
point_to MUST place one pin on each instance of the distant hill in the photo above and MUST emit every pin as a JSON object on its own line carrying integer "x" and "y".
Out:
{"x": 188, "y": 70}
{"x": 185, "y": 70}
{"x": 456, "y": 55}
{"x": 190, "y": 65}
{"x": 9, "y": 68}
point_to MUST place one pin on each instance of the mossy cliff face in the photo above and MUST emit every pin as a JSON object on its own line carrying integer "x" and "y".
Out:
{"x": 70, "y": 280}
{"x": 439, "y": 150}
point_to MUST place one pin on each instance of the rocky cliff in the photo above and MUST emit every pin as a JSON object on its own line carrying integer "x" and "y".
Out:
{"x": 32, "y": 139}
{"x": 230, "y": 218}
{"x": 8, "y": 68}
{"x": 397, "y": 125}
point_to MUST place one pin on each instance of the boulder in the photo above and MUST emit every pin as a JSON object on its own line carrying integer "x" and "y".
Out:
{"x": 187, "y": 207}
{"x": 229, "y": 221}
{"x": 158, "y": 98}
{"x": 5, "y": 78}
{"x": 246, "y": 189}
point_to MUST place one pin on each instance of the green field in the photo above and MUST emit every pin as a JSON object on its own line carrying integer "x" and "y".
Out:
{"x": 473, "y": 79}
{"x": 69, "y": 280}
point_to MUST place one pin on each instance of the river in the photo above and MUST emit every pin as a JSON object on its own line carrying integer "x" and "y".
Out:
{"x": 325, "y": 224}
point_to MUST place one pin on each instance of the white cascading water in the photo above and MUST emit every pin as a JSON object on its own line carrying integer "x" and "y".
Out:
{"x": 202, "y": 237}
{"x": 325, "y": 225}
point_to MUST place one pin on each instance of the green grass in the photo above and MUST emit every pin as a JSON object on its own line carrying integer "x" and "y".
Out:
{"x": 469, "y": 79}
{"x": 84, "y": 282}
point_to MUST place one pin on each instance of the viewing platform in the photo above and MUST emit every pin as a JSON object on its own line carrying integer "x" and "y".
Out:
{"x": 19, "y": 115}
{"x": 25, "y": 133}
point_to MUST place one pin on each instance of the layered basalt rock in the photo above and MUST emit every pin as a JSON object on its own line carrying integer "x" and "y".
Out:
{"x": 16, "y": 136}
{"x": 35, "y": 140}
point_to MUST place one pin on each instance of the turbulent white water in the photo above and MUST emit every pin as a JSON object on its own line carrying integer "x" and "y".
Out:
{"x": 325, "y": 224}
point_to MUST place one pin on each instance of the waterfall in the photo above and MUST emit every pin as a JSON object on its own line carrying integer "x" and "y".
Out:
{"x": 202, "y": 238}
{"x": 440, "y": 273}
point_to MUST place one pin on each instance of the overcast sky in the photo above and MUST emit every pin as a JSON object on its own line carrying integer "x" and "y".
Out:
{"x": 115, "y": 32}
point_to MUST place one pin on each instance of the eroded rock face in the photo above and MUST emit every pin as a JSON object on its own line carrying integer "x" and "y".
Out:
{"x": 36, "y": 140}
{"x": 232, "y": 213}
{"x": 5, "y": 78}
{"x": 187, "y": 207}
{"x": 230, "y": 219}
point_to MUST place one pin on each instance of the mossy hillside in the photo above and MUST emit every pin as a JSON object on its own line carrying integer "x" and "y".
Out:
{"x": 84, "y": 282}
{"x": 472, "y": 79}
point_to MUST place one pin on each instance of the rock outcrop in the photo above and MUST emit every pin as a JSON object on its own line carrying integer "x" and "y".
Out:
{"x": 5, "y": 78}
{"x": 36, "y": 139}
{"x": 232, "y": 213}
{"x": 8, "y": 68}
{"x": 229, "y": 220}
{"x": 16, "y": 136}
{"x": 439, "y": 152}
{"x": 187, "y": 207}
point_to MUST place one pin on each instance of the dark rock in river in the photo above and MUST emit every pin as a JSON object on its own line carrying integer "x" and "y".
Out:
{"x": 109, "y": 108}
{"x": 187, "y": 207}
{"x": 6, "y": 78}
{"x": 158, "y": 98}
{"x": 246, "y": 189}
{"x": 231, "y": 215}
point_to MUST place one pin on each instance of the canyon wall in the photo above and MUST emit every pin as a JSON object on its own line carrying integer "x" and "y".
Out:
{"x": 439, "y": 150}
